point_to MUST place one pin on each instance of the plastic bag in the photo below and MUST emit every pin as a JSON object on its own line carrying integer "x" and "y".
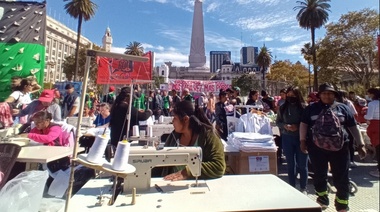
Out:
{"x": 24, "y": 192}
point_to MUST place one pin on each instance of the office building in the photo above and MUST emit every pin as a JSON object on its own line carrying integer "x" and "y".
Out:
{"x": 60, "y": 43}
{"x": 248, "y": 55}
{"x": 217, "y": 58}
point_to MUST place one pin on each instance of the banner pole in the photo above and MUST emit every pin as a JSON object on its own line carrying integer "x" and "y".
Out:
{"x": 80, "y": 116}
{"x": 129, "y": 109}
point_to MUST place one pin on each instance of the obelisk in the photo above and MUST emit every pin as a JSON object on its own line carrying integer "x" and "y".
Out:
{"x": 197, "y": 57}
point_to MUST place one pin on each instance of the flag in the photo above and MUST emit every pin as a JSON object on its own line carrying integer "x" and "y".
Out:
{"x": 117, "y": 71}
{"x": 22, "y": 42}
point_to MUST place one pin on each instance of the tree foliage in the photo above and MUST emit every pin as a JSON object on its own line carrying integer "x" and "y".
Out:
{"x": 246, "y": 82}
{"x": 79, "y": 9}
{"x": 68, "y": 65}
{"x": 350, "y": 46}
{"x": 290, "y": 74}
{"x": 134, "y": 48}
{"x": 158, "y": 80}
{"x": 264, "y": 59}
{"x": 312, "y": 15}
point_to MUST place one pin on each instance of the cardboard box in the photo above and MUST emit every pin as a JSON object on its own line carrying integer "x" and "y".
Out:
{"x": 252, "y": 162}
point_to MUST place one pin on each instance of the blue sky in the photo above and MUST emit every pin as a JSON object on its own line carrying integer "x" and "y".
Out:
{"x": 164, "y": 26}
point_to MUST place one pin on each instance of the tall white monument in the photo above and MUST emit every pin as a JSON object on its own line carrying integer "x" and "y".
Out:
{"x": 107, "y": 40}
{"x": 197, "y": 57}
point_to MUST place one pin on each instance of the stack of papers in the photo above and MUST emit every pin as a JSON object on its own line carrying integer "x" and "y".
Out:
{"x": 252, "y": 142}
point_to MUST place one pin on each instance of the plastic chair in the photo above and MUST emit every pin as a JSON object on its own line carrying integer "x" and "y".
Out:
{"x": 8, "y": 155}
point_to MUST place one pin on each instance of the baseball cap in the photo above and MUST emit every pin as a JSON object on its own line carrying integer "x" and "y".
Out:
{"x": 46, "y": 96}
{"x": 69, "y": 86}
{"x": 111, "y": 89}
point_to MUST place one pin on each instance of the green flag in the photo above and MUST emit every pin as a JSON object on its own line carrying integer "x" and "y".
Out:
{"x": 22, "y": 42}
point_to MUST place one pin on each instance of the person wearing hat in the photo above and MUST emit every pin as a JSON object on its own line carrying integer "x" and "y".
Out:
{"x": 44, "y": 102}
{"x": 320, "y": 158}
{"x": 71, "y": 102}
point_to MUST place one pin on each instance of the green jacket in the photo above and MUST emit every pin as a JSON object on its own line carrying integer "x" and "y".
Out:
{"x": 213, "y": 162}
{"x": 166, "y": 102}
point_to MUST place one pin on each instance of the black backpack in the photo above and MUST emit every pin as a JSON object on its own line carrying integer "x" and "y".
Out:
{"x": 328, "y": 131}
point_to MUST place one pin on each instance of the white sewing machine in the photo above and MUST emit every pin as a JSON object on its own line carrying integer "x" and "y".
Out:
{"x": 146, "y": 158}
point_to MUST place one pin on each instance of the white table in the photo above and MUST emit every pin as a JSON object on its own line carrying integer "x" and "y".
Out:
{"x": 43, "y": 154}
{"x": 229, "y": 193}
{"x": 159, "y": 129}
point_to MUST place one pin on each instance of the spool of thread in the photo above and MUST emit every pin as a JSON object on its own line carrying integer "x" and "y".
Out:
{"x": 135, "y": 130}
{"x": 120, "y": 161}
{"x": 161, "y": 119}
{"x": 149, "y": 131}
{"x": 96, "y": 152}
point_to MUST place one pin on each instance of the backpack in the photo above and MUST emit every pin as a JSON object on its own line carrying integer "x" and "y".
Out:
{"x": 328, "y": 131}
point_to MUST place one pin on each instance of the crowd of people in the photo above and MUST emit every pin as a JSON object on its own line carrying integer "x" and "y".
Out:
{"x": 202, "y": 121}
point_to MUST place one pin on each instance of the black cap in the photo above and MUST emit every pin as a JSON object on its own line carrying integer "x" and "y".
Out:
{"x": 69, "y": 86}
{"x": 326, "y": 87}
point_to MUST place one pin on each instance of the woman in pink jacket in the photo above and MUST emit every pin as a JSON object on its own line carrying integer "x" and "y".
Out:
{"x": 45, "y": 131}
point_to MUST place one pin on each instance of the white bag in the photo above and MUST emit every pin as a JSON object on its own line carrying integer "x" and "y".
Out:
{"x": 24, "y": 192}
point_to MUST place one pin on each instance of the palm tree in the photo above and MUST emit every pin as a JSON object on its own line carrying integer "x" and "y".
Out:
{"x": 312, "y": 15}
{"x": 134, "y": 48}
{"x": 80, "y": 9}
{"x": 308, "y": 56}
{"x": 264, "y": 59}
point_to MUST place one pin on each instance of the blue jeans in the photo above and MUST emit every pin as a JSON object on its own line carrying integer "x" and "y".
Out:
{"x": 295, "y": 159}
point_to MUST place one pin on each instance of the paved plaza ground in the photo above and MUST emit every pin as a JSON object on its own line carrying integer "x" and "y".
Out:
{"x": 367, "y": 197}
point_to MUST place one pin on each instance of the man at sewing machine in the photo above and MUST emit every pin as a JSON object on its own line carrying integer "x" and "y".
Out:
{"x": 104, "y": 116}
{"x": 192, "y": 128}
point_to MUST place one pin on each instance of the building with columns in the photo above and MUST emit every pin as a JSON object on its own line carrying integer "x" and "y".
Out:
{"x": 60, "y": 43}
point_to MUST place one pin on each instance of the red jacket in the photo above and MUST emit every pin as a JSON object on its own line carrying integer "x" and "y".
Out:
{"x": 362, "y": 110}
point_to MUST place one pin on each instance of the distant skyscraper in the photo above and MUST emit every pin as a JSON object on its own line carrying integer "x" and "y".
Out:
{"x": 197, "y": 57}
{"x": 107, "y": 40}
{"x": 248, "y": 55}
{"x": 217, "y": 58}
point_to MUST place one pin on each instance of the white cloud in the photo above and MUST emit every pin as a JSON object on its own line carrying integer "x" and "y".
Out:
{"x": 267, "y": 39}
{"x": 162, "y": 54}
{"x": 120, "y": 50}
{"x": 177, "y": 58}
{"x": 294, "y": 49}
{"x": 291, "y": 38}
{"x": 263, "y": 22}
{"x": 221, "y": 42}
{"x": 212, "y": 7}
{"x": 265, "y": 2}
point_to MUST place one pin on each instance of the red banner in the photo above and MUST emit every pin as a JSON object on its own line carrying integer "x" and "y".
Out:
{"x": 116, "y": 71}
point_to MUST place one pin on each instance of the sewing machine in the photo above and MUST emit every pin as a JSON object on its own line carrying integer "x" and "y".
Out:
{"x": 146, "y": 158}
